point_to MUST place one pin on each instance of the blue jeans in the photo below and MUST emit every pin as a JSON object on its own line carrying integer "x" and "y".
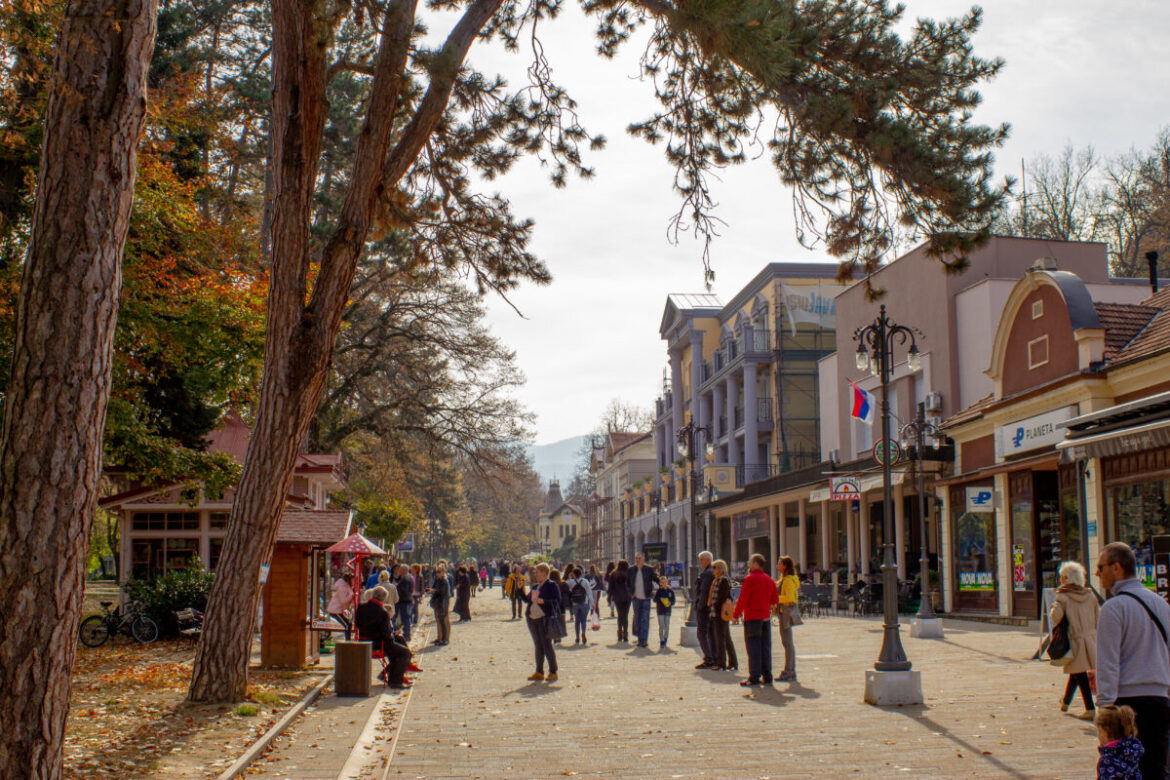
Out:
{"x": 663, "y": 627}
{"x": 757, "y": 635}
{"x": 405, "y": 616}
{"x": 642, "y": 620}
{"x": 581, "y": 615}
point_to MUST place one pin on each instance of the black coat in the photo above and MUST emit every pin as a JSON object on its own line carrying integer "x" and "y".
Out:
{"x": 703, "y": 586}
{"x": 619, "y": 587}
{"x": 649, "y": 581}
{"x": 372, "y": 621}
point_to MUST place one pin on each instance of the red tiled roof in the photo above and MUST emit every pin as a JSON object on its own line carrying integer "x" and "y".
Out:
{"x": 1154, "y": 337}
{"x": 313, "y": 526}
{"x": 622, "y": 440}
{"x": 1122, "y": 321}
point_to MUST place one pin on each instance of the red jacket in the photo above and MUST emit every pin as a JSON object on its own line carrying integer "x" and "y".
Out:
{"x": 757, "y": 596}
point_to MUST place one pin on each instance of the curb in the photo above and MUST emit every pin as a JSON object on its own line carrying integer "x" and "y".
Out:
{"x": 259, "y": 745}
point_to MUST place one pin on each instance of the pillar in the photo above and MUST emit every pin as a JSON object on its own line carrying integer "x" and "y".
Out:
{"x": 801, "y": 532}
{"x": 864, "y": 552}
{"x": 851, "y": 541}
{"x": 696, "y": 380}
{"x": 945, "y": 545}
{"x": 1003, "y": 545}
{"x": 900, "y": 530}
{"x": 775, "y": 550}
{"x": 732, "y": 393}
{"x": 751, "y": 428}
{"x": 676, "y": 394}
{"x": 826, "y": 562}
{"x": 716, "y": 406}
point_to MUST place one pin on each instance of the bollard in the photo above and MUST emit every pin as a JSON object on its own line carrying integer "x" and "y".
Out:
{"x": 352, "y": 668}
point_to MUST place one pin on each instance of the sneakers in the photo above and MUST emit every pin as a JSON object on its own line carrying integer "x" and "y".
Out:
{"x": 662, "y": 645}
{"x": 536, "y": 676}
{"x": 413, "y": 668}
{"x": 787, "y": 677}
{"x": 749, "y": 682}
{"x": 706, "y": 665}
{"x": 551, "y": 678}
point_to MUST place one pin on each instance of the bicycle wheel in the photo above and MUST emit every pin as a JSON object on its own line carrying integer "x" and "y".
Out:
{"x": 144, "y": 629}
{"x": 94, "y": 631}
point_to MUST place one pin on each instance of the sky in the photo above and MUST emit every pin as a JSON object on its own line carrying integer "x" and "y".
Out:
{"x": 1077, "y": 72}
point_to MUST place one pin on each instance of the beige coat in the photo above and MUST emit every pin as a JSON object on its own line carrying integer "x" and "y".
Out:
{"x": 1080, "y": 605}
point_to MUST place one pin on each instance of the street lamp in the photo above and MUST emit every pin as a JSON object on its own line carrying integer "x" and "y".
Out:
{"x": 688, "y": 447}
{"x": 919, "y": 430}
{"x": 875, "y": 347}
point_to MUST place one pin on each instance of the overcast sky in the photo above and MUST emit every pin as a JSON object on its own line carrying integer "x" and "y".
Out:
{"x": 1078, "y": 71}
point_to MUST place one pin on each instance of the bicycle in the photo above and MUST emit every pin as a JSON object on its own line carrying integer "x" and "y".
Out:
{"x": 97, "y": 629}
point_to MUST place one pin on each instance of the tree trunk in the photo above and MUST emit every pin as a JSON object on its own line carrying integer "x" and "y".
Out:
{"x": 51, "y": 444}
{"x": 302, "y": 327}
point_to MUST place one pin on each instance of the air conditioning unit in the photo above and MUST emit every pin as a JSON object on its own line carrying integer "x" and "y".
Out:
{"x": 933, "y": 402}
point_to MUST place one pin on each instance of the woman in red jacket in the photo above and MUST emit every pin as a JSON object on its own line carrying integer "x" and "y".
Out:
{"x": 756, "y": 598}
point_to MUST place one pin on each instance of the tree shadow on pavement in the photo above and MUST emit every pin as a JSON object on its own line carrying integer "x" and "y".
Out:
{"x": 915, "y": 713}
{"x": 960, "y": 646}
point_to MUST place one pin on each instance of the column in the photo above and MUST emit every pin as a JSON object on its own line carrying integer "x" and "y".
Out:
{"x": 732, "y": 395}
{"x": 945, "y": 558}
{"x": 826, "y": 563}
{"x": 801, "y": 532}
{"x": 851, "y": 541}
{"x": 774, "y": 529}
{"x": 676, "y": 390}
{"x": 696, "y": 380}
{"x": 1003, "y": 539}
{"x": 716, "y": 406}
{"x": 863, "y": 534}
{"x": 751, "y": 435}
{"x": 900, "y": 530}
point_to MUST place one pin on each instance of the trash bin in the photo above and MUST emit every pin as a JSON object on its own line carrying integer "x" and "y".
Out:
{"x": 351, "y": 671}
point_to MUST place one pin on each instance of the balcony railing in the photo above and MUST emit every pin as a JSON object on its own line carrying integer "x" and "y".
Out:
{"x": 754, "y": 472}
{"x": 764, "y": 409}
{"x": 738, "y": 417}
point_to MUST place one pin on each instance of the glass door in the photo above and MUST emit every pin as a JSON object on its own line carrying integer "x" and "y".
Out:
{"x": 1052, "y": 550}
{"x": 975, "y": 557}
{"x": 1023, "y": 547}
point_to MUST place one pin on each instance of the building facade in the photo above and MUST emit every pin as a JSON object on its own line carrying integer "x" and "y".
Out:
{"x": 620, "y": 461}
{"x": 559, "y": 523}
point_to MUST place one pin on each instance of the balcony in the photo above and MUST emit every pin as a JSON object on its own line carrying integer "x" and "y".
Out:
{"x": 764, "y": 411}
{"x": 754, "y": 472}
{"x": 739, "y": 418}
{"x": 662, "y": 406}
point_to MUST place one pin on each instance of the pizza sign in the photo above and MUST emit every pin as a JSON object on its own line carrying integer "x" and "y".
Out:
{"x": 845, "y": 488}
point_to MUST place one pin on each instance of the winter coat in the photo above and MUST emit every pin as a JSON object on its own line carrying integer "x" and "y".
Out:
{"x": 1119, "y": 759}
{"x": 342, "y": 596}
{"x": 619, "y": 588}
{"x": 1080, "y": 606}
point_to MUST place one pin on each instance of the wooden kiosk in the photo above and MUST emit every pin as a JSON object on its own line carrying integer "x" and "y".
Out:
{"x": 298, "y": 580}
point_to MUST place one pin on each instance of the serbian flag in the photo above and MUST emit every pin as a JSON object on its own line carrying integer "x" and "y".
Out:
{"x": 863, "y": 405}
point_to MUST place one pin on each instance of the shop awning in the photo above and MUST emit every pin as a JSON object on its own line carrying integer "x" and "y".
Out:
{"x": 1147, "y": 436}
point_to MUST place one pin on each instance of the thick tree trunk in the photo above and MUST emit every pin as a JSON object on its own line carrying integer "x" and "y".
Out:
{"x": 50, "y": 448}
{"x": 302, "y": 328}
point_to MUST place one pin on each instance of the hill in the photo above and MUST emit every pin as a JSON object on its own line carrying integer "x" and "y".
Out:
{"x": 558, "y": 459}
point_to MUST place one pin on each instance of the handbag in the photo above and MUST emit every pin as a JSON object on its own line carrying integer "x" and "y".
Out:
{"x": 790, "y": 616}
{"x": 534, "y": 611}
{"x": 1059, "y": 647}
{"x": 728, "y": 611}
{"x": 555, "y": 626}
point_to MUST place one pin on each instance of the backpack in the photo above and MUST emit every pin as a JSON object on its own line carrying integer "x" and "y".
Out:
{"x": 578, "y": 593}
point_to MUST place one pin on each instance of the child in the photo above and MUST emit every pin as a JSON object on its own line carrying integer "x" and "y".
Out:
{"x": 1120, "y": 749}
{"x": 663, "y": 601}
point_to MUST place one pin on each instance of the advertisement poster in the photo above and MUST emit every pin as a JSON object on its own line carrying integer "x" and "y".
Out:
{"x": 655, "y": 553}
{"x": 976, "y": 580}
{"x": 1019, "y": 574}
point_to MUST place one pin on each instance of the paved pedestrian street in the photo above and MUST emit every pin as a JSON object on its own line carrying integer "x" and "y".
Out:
{"x": 622, "y": 712}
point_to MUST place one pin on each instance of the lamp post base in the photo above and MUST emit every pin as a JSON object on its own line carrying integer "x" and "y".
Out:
{"x": 689, "y": 636}
{"x": 926, "y": 628}
{"x": 885, "y": 689}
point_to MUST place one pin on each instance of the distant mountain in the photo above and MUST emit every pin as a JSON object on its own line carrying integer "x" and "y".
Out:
{"x": 558, "y": 459}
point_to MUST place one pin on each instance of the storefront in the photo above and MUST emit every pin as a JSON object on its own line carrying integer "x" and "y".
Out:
{"x": 974, "y": 533}
{"x": 749, "y": 534}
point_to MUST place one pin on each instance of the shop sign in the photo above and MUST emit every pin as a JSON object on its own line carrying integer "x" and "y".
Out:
{"x": 845, "y": 488}
{"x": 976, "y": 580}
{"x": 980, "y": 499}
{"x": 655, "y": 553}
{"x": 1019, "y": 573}
{"x": 1033, "y": 433}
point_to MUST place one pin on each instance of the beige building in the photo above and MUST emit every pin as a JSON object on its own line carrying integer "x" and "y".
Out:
{"x": 559, "y": 522}
{"x": 621, "y": 460}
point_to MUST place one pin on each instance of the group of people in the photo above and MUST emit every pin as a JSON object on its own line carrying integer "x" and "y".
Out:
{"x": 1125, "y": 643}
{"x": 386, "y": 610}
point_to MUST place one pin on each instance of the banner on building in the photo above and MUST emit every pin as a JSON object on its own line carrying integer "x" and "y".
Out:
{"x": 814, "y": 304}
{"x": 976, "y": 580}
{"x": 655, "y": 553}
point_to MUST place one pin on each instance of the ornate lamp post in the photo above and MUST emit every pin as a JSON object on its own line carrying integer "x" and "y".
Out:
{"x": 880, "y": 339}
{"x": 688, "y": 447}
{"x": 919, "y": 430}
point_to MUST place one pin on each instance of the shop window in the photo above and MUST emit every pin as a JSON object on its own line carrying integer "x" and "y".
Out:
{"x": 1038, "y": 352}
{"x": 975, "y": 555}
{"x": 1136, "y": 513}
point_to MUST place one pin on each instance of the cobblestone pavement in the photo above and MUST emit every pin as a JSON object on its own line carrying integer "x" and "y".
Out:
{"x": 622, "y": 712}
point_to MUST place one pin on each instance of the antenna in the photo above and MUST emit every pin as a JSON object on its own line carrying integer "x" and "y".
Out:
{"x": 1024, "y": 196}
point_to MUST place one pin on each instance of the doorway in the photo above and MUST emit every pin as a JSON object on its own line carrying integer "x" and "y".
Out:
{"x": 1036, "y": 538}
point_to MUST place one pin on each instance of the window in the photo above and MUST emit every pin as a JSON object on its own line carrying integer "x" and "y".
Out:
{"x": 218, "y": 520}
{"x": 154, "y": 557}
{"x": 1037, "y": 309}
{"x": 1038, "y": 352}
{"x": 165, "y": 521}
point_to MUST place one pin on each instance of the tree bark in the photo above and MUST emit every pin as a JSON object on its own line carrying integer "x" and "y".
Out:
{"x": 51, "y": 441}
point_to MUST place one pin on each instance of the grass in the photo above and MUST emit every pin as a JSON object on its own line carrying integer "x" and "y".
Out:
{"x": 247, "y": 710}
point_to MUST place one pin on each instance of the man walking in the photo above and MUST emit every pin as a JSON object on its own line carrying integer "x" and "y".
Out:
{"x": 504, "y": 571}
{"x": 642, "y": 586}
{"x": 405, "y": 587}
{"x": 701, "y": 595}
{"x": 1133, "y": 659}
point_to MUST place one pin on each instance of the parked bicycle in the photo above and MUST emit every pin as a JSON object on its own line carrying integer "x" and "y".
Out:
{"x": 97, "y": 629}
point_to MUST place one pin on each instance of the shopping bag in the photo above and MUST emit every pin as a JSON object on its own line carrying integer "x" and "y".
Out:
{"x": 595, "y": 623}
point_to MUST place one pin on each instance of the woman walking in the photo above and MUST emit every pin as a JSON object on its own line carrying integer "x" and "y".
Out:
{"x": 725, "y": 657}
{"x": 598, "y": 585}
{"x": 581, "y": 602}
{"x": 756, "y": 599}
{"x": 440, "y": 592}
{"x": 462, "y": 594}
{"x": 544, "y": 601}
{"x": 789, "y": 590}
{"x": 620, "y": 596}
{"x": 609, "y": 569}
{"x": 1079, "y": 604}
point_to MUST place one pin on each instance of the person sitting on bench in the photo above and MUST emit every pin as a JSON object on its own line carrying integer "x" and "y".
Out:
{"x": 373, "y": 625}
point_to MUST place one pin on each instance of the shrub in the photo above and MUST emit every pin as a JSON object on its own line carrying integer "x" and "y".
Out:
{"x": 161, "y": 597}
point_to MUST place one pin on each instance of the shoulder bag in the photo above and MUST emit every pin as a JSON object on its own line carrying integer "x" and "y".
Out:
{"x": 555, "y": 626}
{"x": 1059, "y": 647}
{"x": 1150, "y": 612}
{"x": 728, "y": 610}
